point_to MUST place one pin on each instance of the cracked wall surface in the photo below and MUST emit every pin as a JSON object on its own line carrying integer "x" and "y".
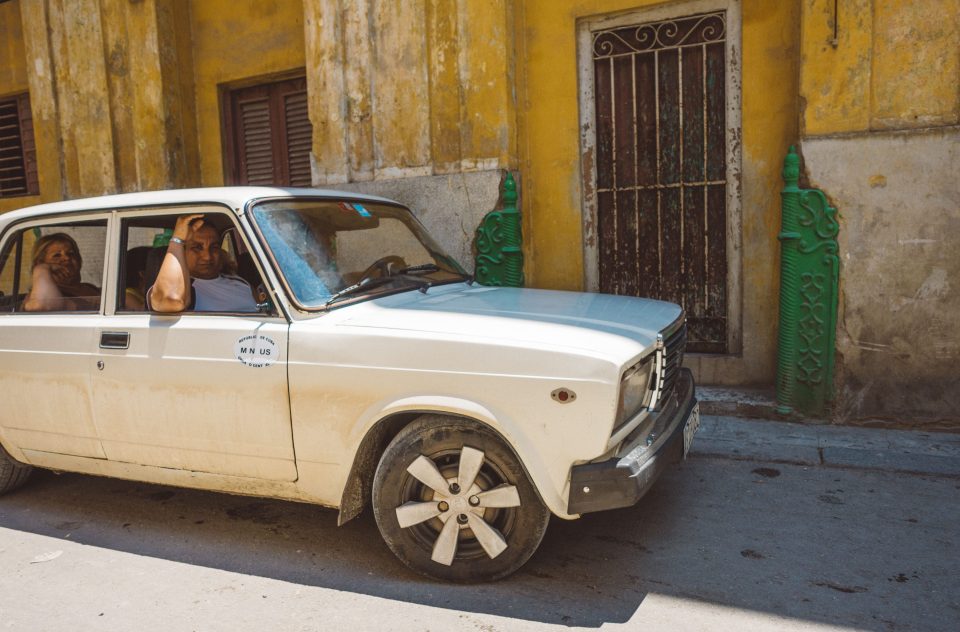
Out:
{"x": 880, "y": 94}
{"x": 898, "y": 338}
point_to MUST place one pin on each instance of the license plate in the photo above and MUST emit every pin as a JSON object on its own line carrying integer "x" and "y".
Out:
{"x": 693, "y": 424}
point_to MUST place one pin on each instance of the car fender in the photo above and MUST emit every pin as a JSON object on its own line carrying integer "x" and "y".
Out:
{"x": 550, "y": 490}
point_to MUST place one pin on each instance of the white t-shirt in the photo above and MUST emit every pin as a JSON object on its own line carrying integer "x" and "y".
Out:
{"x": 223, "y": 294}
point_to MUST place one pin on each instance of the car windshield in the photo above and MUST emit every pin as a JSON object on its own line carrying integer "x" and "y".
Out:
{"x": 335, "y": 251}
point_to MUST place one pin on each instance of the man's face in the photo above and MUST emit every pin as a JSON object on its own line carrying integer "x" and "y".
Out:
{"x": 204, "y": 257}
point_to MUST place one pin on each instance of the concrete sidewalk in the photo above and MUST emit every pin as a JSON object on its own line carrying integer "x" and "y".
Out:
{"x": 901, "y": 451}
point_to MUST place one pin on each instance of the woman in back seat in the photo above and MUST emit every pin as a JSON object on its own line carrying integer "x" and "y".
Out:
{"x": 56, "y": 278}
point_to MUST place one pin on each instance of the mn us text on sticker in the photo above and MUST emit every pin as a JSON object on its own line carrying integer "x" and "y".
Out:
{"x": 256, "y": 350}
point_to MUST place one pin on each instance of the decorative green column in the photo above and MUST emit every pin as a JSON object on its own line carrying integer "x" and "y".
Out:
{"x": 809, "y": 284}
{"x": 499, "y": 259}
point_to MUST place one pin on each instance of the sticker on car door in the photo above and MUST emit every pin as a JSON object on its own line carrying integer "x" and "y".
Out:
{"x": 256, "y": 350}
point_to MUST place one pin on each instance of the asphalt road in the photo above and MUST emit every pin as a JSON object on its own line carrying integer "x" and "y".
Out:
{"x": 717, "y": 544}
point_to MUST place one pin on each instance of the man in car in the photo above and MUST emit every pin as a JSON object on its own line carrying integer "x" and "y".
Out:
{"x": 191, "y": 276}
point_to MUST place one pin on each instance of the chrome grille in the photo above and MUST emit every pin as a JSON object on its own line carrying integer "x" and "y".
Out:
{"x": 670, "y": 345}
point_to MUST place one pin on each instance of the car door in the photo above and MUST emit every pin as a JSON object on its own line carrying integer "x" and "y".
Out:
{"x": 204, "y": 392}
{"x": 46, "y": 354}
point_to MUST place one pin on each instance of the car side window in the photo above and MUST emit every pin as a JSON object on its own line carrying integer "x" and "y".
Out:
{"x": 224, "y": 263}
{"x": 53, "y": 268}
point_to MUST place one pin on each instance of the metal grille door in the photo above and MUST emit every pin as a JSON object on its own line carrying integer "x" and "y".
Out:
{"x": 661, "y": 168}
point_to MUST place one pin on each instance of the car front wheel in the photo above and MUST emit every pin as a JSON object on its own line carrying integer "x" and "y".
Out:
{"x": 452, "y": 502}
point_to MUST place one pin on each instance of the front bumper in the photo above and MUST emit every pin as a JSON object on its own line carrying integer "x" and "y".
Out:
{"x": 624, "y": 479}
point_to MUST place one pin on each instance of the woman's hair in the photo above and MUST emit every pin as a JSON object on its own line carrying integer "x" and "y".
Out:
{"x": 40, "y": 248}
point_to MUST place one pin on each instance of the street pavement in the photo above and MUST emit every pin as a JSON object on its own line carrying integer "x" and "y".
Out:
{"x": 767, "y": 526}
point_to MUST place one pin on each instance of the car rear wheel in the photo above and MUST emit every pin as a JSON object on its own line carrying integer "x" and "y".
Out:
{"x": 12, "y": 473}
{"x": 453, "y": 502}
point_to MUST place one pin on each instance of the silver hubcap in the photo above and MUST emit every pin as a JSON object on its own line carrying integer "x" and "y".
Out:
{"x": 459, "y": 503}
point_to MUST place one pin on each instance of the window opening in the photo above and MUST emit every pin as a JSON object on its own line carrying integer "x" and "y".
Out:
{"x": 268, "y": 134}
{"x": 18, "y": 154}
{"x": 145, "y": 240}
{"x": 72, "y": 255}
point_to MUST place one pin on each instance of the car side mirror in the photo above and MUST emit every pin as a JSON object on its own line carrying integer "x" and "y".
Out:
{"x": 266, "y": 307}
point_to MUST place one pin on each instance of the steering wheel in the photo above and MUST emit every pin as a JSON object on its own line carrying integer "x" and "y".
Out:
{"x": 384, "y": 266}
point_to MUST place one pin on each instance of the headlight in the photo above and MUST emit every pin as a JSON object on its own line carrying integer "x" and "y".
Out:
{"x": 635, "y": 390}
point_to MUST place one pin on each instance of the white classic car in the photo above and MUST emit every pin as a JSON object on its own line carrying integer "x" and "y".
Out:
{"x": 361, "y": 366}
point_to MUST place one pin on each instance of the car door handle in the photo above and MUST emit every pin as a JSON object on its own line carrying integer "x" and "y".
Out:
{"x": 114, "y": 340}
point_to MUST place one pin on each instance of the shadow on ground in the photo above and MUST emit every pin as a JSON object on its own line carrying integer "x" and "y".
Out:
{"x": 840, "y": 547}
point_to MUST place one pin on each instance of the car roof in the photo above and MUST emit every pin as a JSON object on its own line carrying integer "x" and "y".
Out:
{"x": 233, "y": 197}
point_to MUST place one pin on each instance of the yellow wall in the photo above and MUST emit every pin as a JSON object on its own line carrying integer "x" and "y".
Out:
{"x": 416, "y": 88}
{"x": 13, "y": 62}
{"x": 895, "y": 64}
{"x": 13, "y": 75}
{"x": 233, "y": 41}
{"x": 550, "y": 165}
{"x": 127, "y": 96}
{"x": 111, "y": 110}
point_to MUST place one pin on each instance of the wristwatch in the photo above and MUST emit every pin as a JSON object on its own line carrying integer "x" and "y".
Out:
{"x": 176, "y": 240}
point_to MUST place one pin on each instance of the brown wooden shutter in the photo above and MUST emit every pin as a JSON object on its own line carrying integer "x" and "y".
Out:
{"x": 18, "y": 154}
{"x": 299, "y": 138}
{"x": 268, "y": 135}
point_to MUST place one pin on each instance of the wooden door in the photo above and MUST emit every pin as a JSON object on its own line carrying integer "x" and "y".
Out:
{"x": 661, "y": 189}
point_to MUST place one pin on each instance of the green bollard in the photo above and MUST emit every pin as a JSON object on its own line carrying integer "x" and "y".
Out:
{"x": 809, "y": 289}
{"x": 499, "y": 259}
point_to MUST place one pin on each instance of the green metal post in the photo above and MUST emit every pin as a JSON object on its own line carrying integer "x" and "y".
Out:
{"x": 499, "y": 259}
{"x": 809, "y": 290}
{"x": 789, "y": 296}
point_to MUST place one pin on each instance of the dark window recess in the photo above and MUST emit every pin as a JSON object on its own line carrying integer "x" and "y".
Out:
{"x": 268, "y": 134}
{"x": 18, "y": 154}
{"x": 661, "y": 168}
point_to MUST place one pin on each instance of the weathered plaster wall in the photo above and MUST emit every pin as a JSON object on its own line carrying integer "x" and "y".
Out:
{"x": 238, "y": 42}
{"x": 450, "y": 205}
{"x": 898, "y": 341}
{"x": 111, "y": 110}
{"x": 13, "y": 75}
{"x": 414, "y": 101}
{"x": 13, "y": 62}
{"x": 549, "y": 148}
{"x": 409, "y": 89}
{"x": 894, "y": 64}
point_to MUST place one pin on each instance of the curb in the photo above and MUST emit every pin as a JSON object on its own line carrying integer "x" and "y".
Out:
{"x": 901, "y": 451}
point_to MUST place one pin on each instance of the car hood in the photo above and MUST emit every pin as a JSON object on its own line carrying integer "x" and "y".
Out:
{"x": 599, "y": 323}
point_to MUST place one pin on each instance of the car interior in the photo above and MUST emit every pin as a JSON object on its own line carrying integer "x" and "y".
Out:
{"x": 145, "y": 242}
{"x": 16, "y": 265}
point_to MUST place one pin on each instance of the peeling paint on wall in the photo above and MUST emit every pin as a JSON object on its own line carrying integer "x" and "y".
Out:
{"x": 898, "y": 334}
{"x": 426, "y": 84}
{"x": 894, "y": 65}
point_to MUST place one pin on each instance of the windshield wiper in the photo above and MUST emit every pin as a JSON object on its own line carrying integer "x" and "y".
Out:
{"x": 423, "y": 268}
{"x": 368, "y": 284}
{"x": 409, "y": 273}
{"x": 426, "y": 268}
{"x": 365, "y": 284}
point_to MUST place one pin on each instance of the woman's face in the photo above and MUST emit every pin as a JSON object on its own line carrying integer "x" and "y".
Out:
{"x": 64, "y": 262}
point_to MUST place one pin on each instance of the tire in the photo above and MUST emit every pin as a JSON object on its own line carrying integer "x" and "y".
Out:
{"x": 12, "y": 473}
{"x": 415, "y": 518}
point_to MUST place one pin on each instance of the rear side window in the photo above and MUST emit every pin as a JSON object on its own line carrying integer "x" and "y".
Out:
{"x": 53, "y": 268}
